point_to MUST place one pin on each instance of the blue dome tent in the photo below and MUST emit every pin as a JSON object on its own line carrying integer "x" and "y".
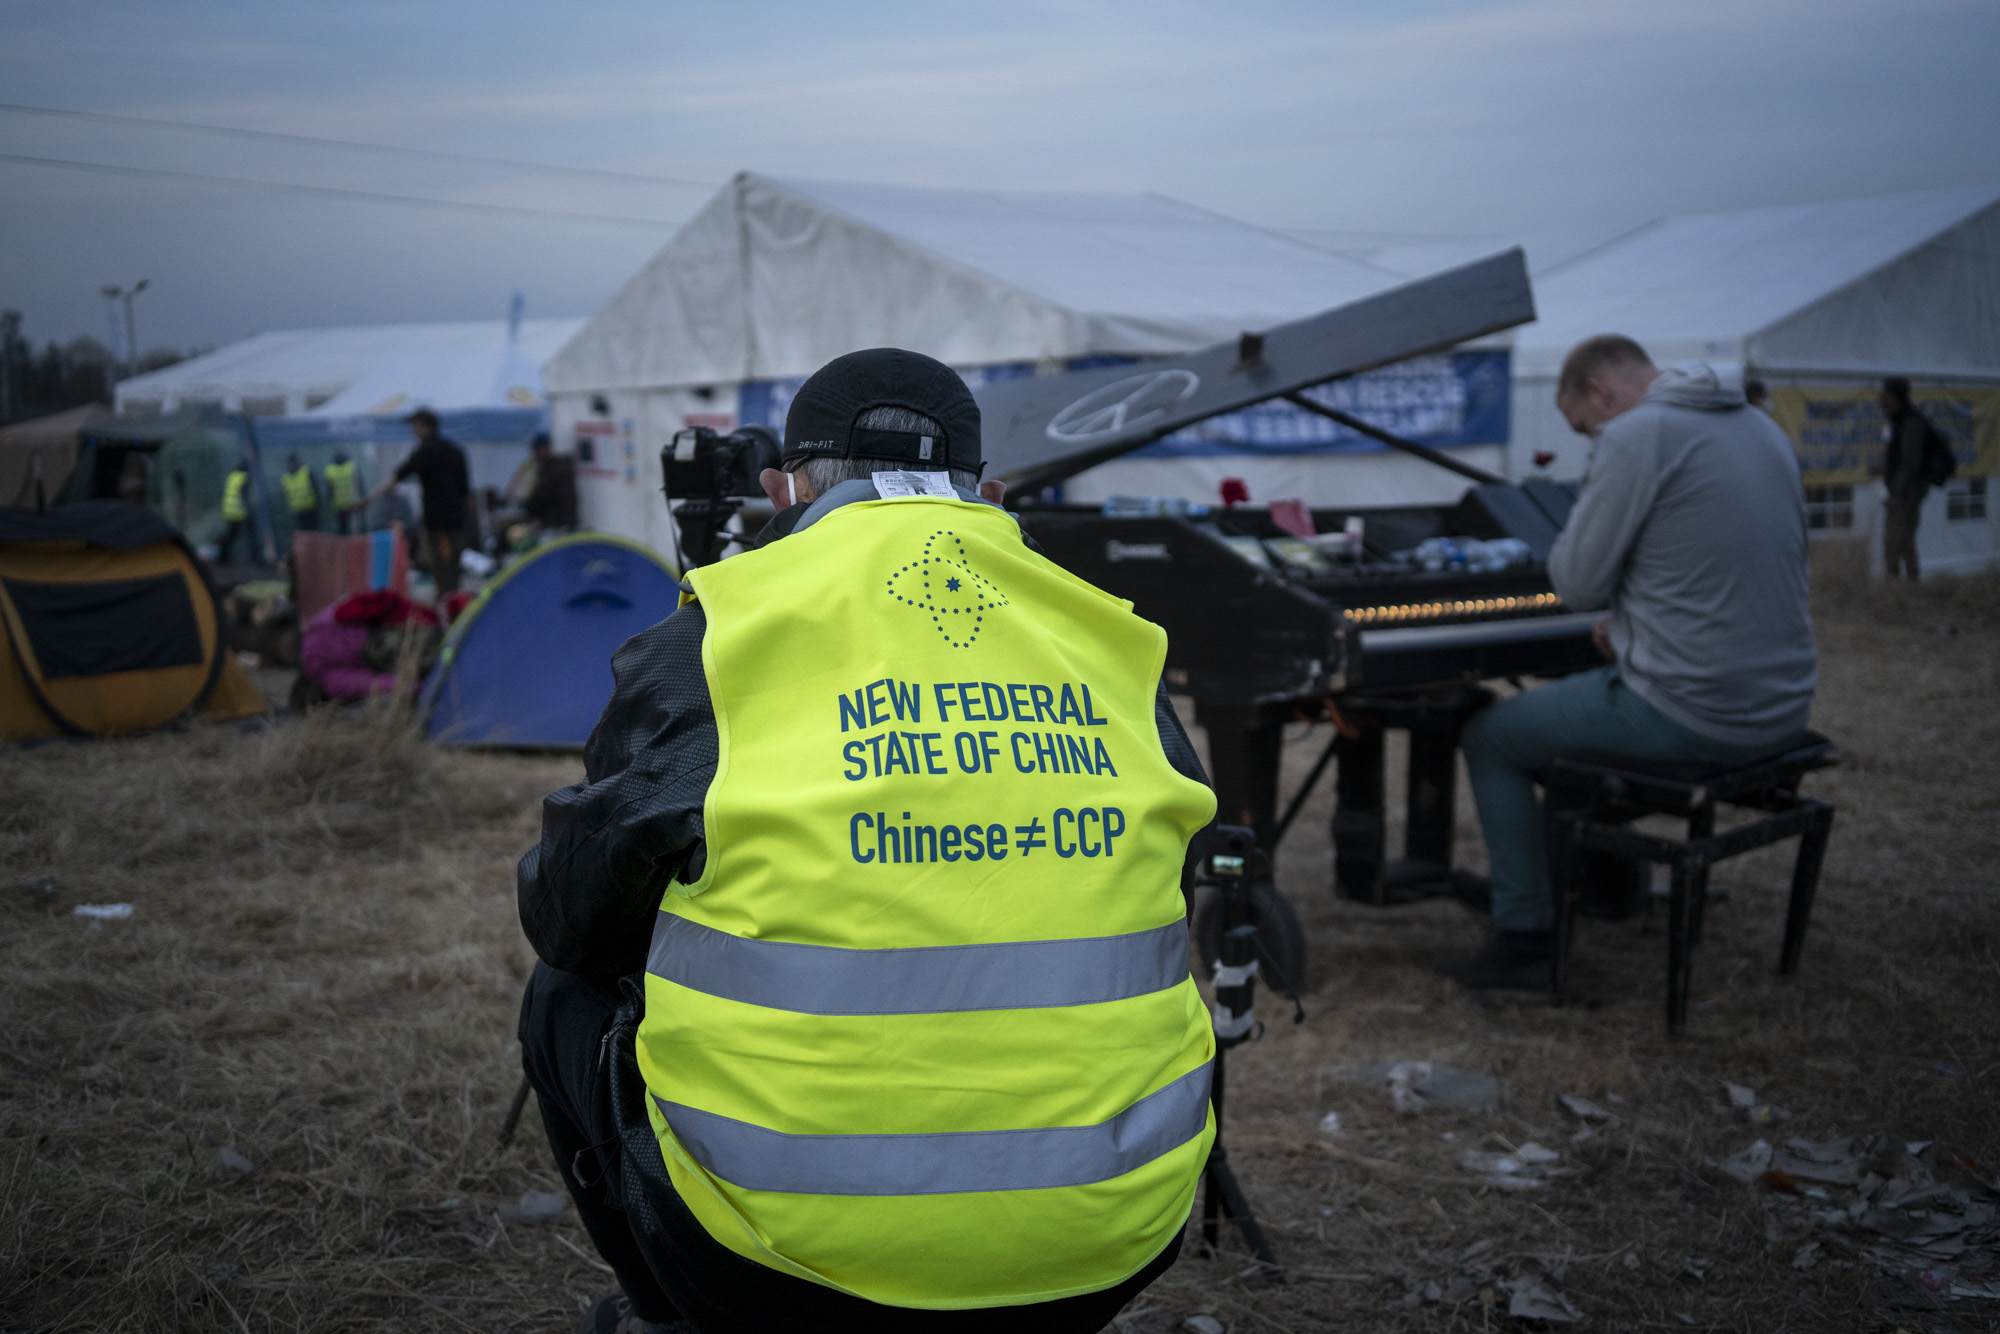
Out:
{"x": 529, "y": 662}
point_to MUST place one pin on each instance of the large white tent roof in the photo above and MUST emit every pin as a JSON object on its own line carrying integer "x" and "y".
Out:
{"x": 309, "y": 366}
{"x": 774, "y": 278}
{"x": 1903, "y": 282}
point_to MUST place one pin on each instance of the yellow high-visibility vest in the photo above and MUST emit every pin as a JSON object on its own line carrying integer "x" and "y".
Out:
{"x": 300, "y": 497}
{"x": 340, "y": 482}
{"x": 924, "y": 1030}
{"x": 234, "y": 508}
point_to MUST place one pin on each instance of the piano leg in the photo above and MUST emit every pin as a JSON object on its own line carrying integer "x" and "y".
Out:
{"x": 1243, "y": 748}
{"x": 1362, "y": 868}
{"x": 1357, "y": 815}
{"x": 1431, "y": 799}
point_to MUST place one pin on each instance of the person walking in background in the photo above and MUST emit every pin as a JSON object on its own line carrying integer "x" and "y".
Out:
{"x": 551, "y": 501}
{"x": 1757, "y": 394}
{"x": 1915, "y": 457}
{"x": 236, "y": 511}
{"x": 301, "y": 495}
{"x": 343, "y": 486}
{"x": 440, "y": 469}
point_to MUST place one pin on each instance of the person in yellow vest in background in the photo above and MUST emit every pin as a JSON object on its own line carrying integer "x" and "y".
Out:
{"x": 864, "y": 997}
{"x": 236, "y": 512}
{"x": 343, "y": 486}
{"x": 301, "y": 495}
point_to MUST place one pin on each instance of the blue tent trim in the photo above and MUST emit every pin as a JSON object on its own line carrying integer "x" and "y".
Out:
{"x": 529, "y": 662}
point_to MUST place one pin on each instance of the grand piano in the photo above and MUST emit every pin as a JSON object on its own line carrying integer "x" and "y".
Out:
{"x": 1392, "y": 626}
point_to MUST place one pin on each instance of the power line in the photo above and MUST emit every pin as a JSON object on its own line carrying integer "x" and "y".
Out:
{"x": 390, "y": 150}
{"x": 340, "y": 192}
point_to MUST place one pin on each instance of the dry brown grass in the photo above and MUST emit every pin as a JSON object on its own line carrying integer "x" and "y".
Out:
{"x": 320, "y": 975}
{"x": 323, "y": 969}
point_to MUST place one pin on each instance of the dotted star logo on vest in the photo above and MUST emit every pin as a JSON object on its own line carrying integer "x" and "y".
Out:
{"x": 941, "y": 585}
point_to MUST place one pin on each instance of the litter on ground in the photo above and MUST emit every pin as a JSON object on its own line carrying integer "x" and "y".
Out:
{"x": 1872, "y": 1198}
{"x": 536, "y": 1206}
{"x": 1525, "y": 1168}
{"x": 1535, "y": 1299}
{"x": 1747, "y": 1106}
{"x": 1419, "y": 1086}
{"x": 1583, "y": 1109}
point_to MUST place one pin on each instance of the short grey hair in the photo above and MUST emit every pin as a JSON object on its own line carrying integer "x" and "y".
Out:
{"x": 1592, "y": 358}
{"x": 825, "y": 474}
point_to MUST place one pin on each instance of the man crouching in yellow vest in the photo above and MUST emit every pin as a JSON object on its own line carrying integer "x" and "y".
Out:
{"x": 865, "y": 999}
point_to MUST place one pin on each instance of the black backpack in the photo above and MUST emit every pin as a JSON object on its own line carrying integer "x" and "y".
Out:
{"x": 1939, "y": 461}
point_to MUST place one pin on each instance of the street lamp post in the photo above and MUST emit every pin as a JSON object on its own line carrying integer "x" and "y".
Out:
{"x": 115, "y": 293}
{"x": 10, "y": 325}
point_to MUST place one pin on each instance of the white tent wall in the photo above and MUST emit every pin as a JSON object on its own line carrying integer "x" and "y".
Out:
{"x": 1945, "y": 545}
{"x": 618, "y": 478}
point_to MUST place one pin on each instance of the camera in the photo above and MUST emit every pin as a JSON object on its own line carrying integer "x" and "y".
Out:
{"x": 706, "y": 477}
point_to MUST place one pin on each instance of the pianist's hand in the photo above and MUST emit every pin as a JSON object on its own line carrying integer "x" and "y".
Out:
{"x": 1600, "y": 635}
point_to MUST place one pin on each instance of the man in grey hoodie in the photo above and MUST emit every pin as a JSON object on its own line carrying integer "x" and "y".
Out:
{"x": 1690, "y": 528}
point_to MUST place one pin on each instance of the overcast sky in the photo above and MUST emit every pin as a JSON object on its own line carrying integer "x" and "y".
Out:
{"x": 1442, "y": 117}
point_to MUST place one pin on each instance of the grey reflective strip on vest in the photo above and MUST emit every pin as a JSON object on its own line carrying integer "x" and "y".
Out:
{"x": 949, "y": 1163}
{"x": 822, "y": 979}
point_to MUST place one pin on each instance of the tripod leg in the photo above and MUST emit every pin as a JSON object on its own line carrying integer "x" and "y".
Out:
{"x": 1211, "y": 1202}
{"x": 1221, "y": 1197}
{"x": 514, "y": 1113}
{"x": 1211, "y": 1183}
{"x": 1235, "y": 1205}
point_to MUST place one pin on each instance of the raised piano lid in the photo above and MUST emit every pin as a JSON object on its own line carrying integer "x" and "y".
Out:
{"x": 1037, "y": 430}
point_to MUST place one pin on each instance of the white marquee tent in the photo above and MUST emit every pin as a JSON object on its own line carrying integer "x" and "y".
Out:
{"x": 773, "y": 278}
{"x": 287, "y": 372}
{"x": 1820, "y": 300}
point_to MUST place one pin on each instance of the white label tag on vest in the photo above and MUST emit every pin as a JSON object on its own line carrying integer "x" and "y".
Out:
{"x": 904, "y": 485}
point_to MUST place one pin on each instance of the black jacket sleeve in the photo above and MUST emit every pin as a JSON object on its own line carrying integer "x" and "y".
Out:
{"x": 589, "y": 890}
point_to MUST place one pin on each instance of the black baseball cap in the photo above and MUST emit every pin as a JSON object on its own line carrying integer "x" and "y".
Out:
{"x": 821, "y": 421}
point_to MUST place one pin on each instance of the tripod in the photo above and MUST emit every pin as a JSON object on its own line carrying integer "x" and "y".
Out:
{"x": 1235, "y": 978}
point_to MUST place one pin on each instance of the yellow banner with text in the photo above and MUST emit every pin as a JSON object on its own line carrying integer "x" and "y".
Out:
{"x": 1837, "y": 429}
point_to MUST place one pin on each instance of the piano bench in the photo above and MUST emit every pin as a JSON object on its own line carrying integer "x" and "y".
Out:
{"x": 1592, "y": 800}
